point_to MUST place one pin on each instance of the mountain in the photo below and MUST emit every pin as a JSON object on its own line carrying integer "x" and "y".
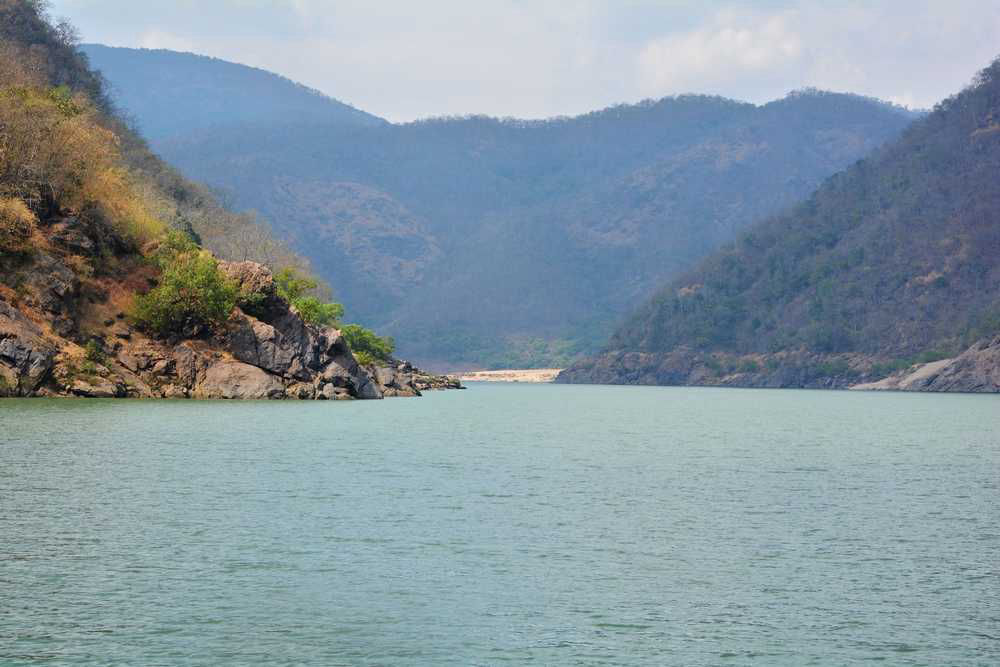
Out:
{"x": 885, "y": 274}
{"x": 478, "y": 241}
{"x": 105, "y": 287}
{"x": 170, "y": 93}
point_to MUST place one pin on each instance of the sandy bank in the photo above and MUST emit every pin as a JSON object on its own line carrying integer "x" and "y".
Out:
{"x": 519, "y": 375}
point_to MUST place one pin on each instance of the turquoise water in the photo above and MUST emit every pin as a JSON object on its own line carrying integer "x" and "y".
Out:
{"x": 508, "y": 524}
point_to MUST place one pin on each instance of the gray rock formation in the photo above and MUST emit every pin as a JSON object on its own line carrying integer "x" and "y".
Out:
{"x": 26, "y": 357}
{"x": 267, "y": 353}
{"x": 977, "y": 370}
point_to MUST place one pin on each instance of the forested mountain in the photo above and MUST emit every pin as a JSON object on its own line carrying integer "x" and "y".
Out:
{"x": 177, "y": 93}
{"x": 481, "y": 241}
{"x": 894, "y": 261}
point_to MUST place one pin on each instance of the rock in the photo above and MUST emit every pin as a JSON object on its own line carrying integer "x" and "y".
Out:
{"x": 26, "y": 358}
{"x": 251, "y": 277}
{"x": 173, "y": 391}
{"x": 283, "y": 352}
{"x": 96, "y": 387}
{"x": 57, "y": 289}
{"x": 234, "y": 379}
{"x": 977, "y": 370}
{"x": 302, "y": 391}
{"x": 70, "y": 235}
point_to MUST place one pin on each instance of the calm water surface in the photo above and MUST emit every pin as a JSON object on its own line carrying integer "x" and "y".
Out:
{"x": 504, "y": 525}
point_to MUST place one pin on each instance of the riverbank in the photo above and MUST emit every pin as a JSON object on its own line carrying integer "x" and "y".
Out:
{"x": 536, "y": 375}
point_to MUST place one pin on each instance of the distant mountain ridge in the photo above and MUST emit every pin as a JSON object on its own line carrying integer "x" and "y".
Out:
{"x": 892, "y": 263}
{"x": 484, "y": 242}
{"x": 175, "y": 93}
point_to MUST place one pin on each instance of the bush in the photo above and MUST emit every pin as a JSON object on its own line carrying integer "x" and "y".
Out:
{"x": 192, "y": 294}
{"x": 17, "y": 224}
{"x": 314, "y": 311}
{"x": 367, "y": 346}
{"x": 293, "y": 286}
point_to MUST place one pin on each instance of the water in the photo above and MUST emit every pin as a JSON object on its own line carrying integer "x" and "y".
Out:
{"x": 504, "y": 525}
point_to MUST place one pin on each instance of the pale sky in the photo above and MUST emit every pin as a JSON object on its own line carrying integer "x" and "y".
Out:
{"x": 406, "y": 59}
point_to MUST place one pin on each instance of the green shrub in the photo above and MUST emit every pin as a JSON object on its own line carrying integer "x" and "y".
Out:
{"x": 832, "y": 368}
{"x": 314, "y": 311}
{"x": 367, "y": 346}
{"x": 192, "y": 294}
{"x": 293, "y": 286}
{"x": 94, "y": 353}
{"x": 173, "y": 244}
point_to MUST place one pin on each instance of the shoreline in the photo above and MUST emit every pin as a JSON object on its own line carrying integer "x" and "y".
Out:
{"x": 530, "y": 375}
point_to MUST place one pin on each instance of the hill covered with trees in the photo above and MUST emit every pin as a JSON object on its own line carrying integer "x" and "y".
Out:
{"x": 893, "y": 262}
{"x": 119, "y": 277}
{"x": 495, "y": 242}
{"x": 177, "y": 93}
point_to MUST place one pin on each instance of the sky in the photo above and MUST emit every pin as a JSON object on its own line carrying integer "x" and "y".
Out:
{"x": 402, "y": 59}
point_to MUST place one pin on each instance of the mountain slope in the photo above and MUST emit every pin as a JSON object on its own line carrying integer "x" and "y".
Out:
{"x": 478, "y": 241}
{"x": 104, "y": 288}
{"x": 893, "y": 261}
{"x": 171, "y": 93}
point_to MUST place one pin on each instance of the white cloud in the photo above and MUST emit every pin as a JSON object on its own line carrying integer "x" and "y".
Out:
{"x": 912, "y": 52}
{"x": 531, "y": 58}
{"x": 733, "y": 46}
{"x": 159, "y": 39}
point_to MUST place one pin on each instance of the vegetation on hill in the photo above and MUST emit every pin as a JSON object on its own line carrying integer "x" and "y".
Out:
{"x": 175, "y": 93}
{"x": 501, "y": 242}
{"x": 66, "y": 154}
{"x": 893, "y": 261}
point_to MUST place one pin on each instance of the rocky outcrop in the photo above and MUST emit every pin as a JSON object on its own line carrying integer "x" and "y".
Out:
{"x": 26, "y": 357}
{"x": 233, "y": 379}
{"x": 264, "y": 351}
{"x": 977, "y": 370}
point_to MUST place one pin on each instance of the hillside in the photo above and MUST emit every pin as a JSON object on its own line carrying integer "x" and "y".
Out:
{"x": 118, "y": 277}
{"x": 481, "y": 241}
{"x": 173, "y": 93}
{"x": 890, "y": 263}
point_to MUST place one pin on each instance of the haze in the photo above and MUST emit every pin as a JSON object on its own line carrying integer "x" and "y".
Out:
{"x": 404, "y": 60}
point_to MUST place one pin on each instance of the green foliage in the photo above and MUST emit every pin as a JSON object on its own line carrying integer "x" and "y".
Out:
{"x": 293, "y": 287}
{"x": 367, "y": 346}
{"x": 192, "y": 294}
{"x": 94, "y": 353}
{"x": 174, "y": 244}
{"x": 894, "y": 257}
{"x": 316, "y": 312}
{"x": 833, "y": 368}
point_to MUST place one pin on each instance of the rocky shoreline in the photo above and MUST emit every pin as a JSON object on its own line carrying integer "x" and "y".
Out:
{"x": 976, "y": 370}
{"x": 64, "y": 332}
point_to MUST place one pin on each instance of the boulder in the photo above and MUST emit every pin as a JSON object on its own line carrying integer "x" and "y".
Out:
{"x": 284, "y": 352}
{"x": 26, "y": 358}
{"x": 97, "y": 387}
{"x": 234, "y": 379}
{"x": 70, "y": 234}
{"x": 251, "y": 277}
{"x": 57, "y": 288}
{"x": 975, "y": 370}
